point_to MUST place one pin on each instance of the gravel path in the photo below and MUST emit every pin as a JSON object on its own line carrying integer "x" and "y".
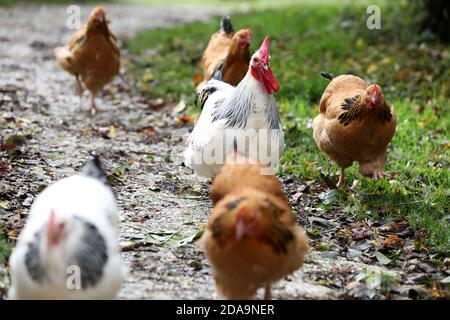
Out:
{"x": 156, "y": 195}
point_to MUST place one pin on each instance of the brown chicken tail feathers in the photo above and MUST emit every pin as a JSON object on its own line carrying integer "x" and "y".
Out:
{"x": 63, "y": 57}
{"x": 327, "y": 76}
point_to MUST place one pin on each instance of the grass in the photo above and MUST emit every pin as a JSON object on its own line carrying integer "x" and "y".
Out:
{"x": 5, "y": 246}
{"x": 5, "y": 250}
{"x": 308, "y": 39}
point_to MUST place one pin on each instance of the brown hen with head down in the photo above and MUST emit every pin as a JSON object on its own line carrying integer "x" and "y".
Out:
{"x": 252, "y": 239}
{"x": 355, "y": 124}
{"x": 92, "y": 55}
{"x": 227, "y": 55}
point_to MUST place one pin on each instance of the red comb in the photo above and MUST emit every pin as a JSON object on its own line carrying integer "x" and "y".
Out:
{"x": 100, "y": 11}
{"x": 264, "y": 50}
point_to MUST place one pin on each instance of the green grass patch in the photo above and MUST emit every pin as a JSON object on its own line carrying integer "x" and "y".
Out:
{"x": 5, "y": 246}
{"x": 306, "y": 40}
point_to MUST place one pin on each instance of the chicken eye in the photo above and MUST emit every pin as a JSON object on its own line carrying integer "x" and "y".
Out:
{"x": 255, "y": 59}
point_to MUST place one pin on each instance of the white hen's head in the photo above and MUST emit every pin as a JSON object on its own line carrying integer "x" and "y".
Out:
{"x": 260, "y": 70}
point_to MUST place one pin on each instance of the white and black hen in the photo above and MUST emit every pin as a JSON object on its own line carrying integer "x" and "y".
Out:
{"x": 69, "y": 246}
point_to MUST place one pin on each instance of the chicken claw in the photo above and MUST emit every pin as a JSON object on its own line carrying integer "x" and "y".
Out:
{"x": 378, "y": 174}
{"x": 94, "y": 109}
{"x": 341, "y": 182}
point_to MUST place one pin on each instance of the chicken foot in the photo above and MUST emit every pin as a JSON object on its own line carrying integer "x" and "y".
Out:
{"x": 341, "y": 182}
{"x": 94, "y": 109}
{"x": 378, "y": 174}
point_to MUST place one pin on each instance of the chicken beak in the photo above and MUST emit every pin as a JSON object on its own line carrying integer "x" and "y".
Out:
{"x": 54, "y": 230}
{"x": 240, "y": 229}
{"x": 374, "y": 99}
{"x": 100, "y": 19}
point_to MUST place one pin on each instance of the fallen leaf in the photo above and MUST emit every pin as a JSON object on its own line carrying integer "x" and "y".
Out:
{"x": 360, "y": 233}
{"x": 330, "y": 196}
{"x": 324, "y": 246}
{"x": 12, "y": 142}
{"x": 382, "y": 258}
{"x": 172, "y": 238}
{"x": 399, "y": 226}
{"x": 446, "y": 280}
{"x": 185, "y": 119}
{"x": 12, "y": 234}
{"x": 157, "y": 103}
{"x": 436, "y": 292}
{"x": 180, "y": 107}
{"x": 149, "y": 131}
{"x": 112, "y": 132}
{"x": 313, "y": 233}
{"x": 393, "y": 240}
{"x": 4, "y": 205}
{"x": 197, "y": 78}
{"x": 4, "y": 168}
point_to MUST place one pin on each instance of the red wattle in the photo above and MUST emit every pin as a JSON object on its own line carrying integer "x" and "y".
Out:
{"x": 270, "y": 82}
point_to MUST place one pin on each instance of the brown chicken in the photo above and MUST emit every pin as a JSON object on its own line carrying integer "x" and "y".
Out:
{"x": 227, "y": 55}
{"x": 355, "y": 124}
{"x": 252, "y": 239}
{"x": 92, "y": 55}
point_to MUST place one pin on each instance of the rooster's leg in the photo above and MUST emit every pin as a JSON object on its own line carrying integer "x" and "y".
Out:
{"x": 94, "y": 109}
{"x": 267, "y": 294}
{"x": 376, "y": 175}
{"x": 78, "y": 87}
{"x": 341, "y": 182}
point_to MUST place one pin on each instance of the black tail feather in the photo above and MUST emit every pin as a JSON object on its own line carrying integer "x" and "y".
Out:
{"x": 327, "y": 76}
{"x": 94, "y": 169}
{"x": 204, "y": 95}
{"x": 225, "y": 25}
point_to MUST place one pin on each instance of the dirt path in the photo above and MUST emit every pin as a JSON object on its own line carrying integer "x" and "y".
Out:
{"x": 156, "y": 195}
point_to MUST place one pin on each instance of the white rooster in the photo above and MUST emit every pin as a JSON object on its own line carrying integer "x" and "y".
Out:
{"x": 247, "y": 114}
{"x": 69, "y": 246}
